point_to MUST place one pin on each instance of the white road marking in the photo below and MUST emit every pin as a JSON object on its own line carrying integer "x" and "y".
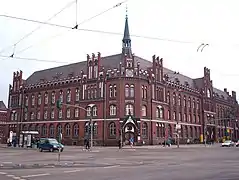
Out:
{"x": 36, "y": 175}
{"x": 16, "y": 177}
{"x": 3, "y": 173}
{"x": 83, "y": 169}
{"x": 10, "y": 175}
{"x": 108, "y": 167}
{"x": 7, "y": 162}
{"x": 76, "y": 170}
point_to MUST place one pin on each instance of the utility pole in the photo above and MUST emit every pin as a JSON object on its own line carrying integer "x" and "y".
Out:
{"x": 91, "y": 129}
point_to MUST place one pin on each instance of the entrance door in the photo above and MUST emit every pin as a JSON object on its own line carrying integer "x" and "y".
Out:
{"x": 127, "y": 137}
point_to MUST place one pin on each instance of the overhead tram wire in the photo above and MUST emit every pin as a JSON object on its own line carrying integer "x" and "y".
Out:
{"x": 96, "y": 31}
{"x": 30, "y": 33}
{"x": 82, "y": 22}
{"x": 35, "y": 59}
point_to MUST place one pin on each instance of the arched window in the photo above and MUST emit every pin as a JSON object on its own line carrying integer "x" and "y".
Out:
{"x": 77, "y": 94}
{"x": 111, "y": 91}
{"x": 179, "y": 100}
{"x": 53, "y": 97}
{"x": 59, "y": 129}
{"x": 189, "y": 102}
{"x": 144, "y": 110}
{"x": 68, "y": 96}
{"x": 52, "y": 114}
{"x": 33, "y": 100}
{"x": 194, "y": 104}
{"x": 208, "y": 93}
{"x": 144, "y": 130}
{"x": 45, "y": 114}
{"x": 76, "y": 112}
{"x": 32, "y": 115}
{"x": 38, "y": 129}
{"x": 46, "y": 98}
{"x": 185, "y": 117}
{"x": 76, "y": 130}
{"x": 38, "y": 115}
{"x": 114, "y": 91}
{"x": 112, "y": 129}
{"x": 184, "y": 101}
{"x": 51, "y": 130}
{"x": 60, "y": 113}
{"x": 198, "y": 104}
{"x": 131, "y": 90}
{"x": 126, "y": 90}
{"x": 159, "y": 112}
{"x": 44, "y": 130}
{"x": 61, "y": 96}
{"x": 174, "y": 115}
{"x": 95, "y": 128}
{"x": 112, "y": 110}
{"x": 68, "y": 113}
{"x": 26, "y": 100}
{"x": 88, "y": 111}
{"x": 129, "y": 109}
{"x": 68, "y": 129}
{"x": 168, "y": 97}
{"x": 174, "y": 99}
{"x": 39, "y": 99}
{"x": 94, "y": 111}
{"x": 25, "y": 116}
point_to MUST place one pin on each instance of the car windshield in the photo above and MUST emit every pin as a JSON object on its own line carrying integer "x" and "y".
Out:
{"x": 53, "y": 141}
{"x": 227, "y": 141}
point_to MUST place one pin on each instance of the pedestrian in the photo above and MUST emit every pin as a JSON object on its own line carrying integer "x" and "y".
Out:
{"x": 131, "y": 141}
{"x": 119, "y": 144}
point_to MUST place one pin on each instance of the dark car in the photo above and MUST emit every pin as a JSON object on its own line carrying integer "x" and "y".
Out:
{"x": 50, "y": 144}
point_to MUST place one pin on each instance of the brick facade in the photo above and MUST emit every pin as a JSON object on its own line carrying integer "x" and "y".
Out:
{"x": 121, "y": 86}
{"x": 3, "y": 120}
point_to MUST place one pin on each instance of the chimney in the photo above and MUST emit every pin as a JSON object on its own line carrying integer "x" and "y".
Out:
{"x": 234, "y": 95}
{"x": 225, "y": 90}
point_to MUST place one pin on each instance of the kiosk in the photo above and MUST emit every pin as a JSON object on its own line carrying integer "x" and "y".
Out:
{"x": 27, "y": 138}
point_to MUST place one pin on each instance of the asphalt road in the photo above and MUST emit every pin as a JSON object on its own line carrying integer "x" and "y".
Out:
{"x": 185, "y": 163}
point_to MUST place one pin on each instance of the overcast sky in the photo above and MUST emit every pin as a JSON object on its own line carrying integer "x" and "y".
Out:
{"x": 198, "y": 21}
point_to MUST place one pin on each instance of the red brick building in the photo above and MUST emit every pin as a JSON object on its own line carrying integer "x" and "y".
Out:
{"x": 138, "y": 96}
{"x": 3, "y": 120}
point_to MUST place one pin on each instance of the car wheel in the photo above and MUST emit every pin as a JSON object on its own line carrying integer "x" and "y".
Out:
{"x": 51, "y": 150}
{"x": 61, "y": 149}
{"x": 40, "y": 149}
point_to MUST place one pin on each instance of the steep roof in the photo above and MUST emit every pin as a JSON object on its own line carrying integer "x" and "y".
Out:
{"x": 2, "y": 106}
{"x": 110, "y": 62}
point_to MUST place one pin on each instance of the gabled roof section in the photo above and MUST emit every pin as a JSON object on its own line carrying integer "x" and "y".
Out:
{"x": 220, "y": 93}
{"x": 2, "y": 106}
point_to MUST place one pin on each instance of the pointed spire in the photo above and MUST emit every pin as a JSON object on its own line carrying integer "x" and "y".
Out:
{"x": 126, "y": 49}
{"x": 126, "y": 27}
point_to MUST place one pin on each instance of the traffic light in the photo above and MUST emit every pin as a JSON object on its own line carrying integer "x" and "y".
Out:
{"x": 58, "y": 104}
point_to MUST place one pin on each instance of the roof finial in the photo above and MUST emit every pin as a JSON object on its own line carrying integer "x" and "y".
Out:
{"x": 126, "y": 11}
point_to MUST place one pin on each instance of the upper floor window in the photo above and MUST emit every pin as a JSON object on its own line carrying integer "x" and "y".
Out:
{"x": 68, "y": 113}
{"x": 77, "y": 94}
{"x": 129, "y": 109}
{"x": 45, "y": 115}
{"x": 198, "y": 104}
{"x": 53, "y": 97}
{"x": 38, "y": 115}
{"x": 179, "y": 100}
{"x": 168, "y": 98}
{"x": 174, "y": 115}
{"x": 52, "y": 114}
{"x": 61, "y": 96}
{"x": 184, "y": 101}
{"x": 46, "y": 98}
{"x": 95, "y": 71}
{"x": 144, "y": 92}
{"x": 144, "y": 110}
{"x": 129, "y": 90}
{"x": 194, "y": 104}
{"x": 76, "y": 112}
{"x": 189, "y": 102}
{"x": 33, "y": 100}
{"x": 112, "y": 129}
{"x": 26, "y": 100}
{"x": 114, "y": 91}
{"x": 159, "y": 112}
{"x": 32, "y": 115}
{"x": 208, "y": 93}
{"x": 88, "y": 111}
{"x": 94, "y": 111}
{"x": 25, "y": 116}
{"x": 68, "y": 96}
{"x": 174, "y": 99}
{"x": 60, "y": 113}
{"x": 112, "y": 110}
{"x": 39, "y": 99}
{"x": 111, "y": 91}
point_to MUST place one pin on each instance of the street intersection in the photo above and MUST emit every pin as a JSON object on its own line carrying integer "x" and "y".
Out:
{"x": 110, "y": 163}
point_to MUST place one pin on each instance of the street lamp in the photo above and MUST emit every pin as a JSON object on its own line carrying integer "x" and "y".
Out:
{"x": 91, "y": 125}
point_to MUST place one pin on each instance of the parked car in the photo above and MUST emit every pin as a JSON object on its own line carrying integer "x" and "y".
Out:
{"x": 228, "y": 143}
{"x": 50, "y": 144}
{"x": 237, "y": 143}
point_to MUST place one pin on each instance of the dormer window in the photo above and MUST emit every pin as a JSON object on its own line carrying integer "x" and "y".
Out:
{"x": 186, "y": 83}
{"x": 177, "y": 80}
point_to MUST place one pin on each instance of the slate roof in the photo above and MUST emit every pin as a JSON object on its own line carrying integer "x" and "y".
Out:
{"x": 2, "y": 106}
{"x": 110, "y": 62}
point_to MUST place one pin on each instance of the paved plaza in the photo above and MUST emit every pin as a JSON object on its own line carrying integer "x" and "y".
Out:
{"x": 194, "y": 162}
